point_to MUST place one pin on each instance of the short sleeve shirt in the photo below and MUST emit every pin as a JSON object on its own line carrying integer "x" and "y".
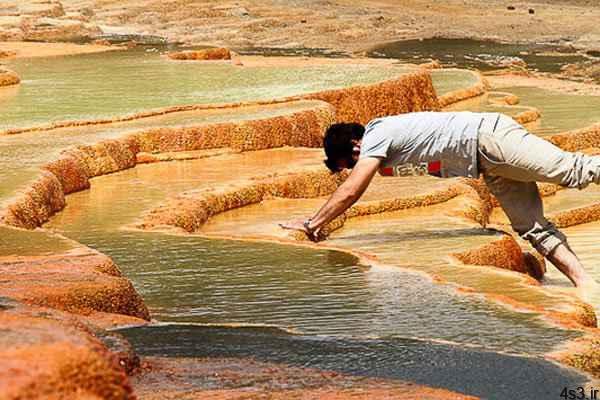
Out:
{"x": 422, "y": 137}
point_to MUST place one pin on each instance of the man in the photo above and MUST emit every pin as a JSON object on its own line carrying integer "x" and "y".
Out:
{"x": 462, "y": 144}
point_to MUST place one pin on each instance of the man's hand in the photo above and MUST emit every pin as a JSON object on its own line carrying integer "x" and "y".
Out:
{"x": 298, "y": 225}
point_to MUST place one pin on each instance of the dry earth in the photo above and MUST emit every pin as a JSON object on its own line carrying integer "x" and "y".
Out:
{"x": 335, "y": 24}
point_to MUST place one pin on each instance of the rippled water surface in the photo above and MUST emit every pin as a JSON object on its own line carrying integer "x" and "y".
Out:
{"x": 194, "y": 279}
{"x": 74, "y": 87}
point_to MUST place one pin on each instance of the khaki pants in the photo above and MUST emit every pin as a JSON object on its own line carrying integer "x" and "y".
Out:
{"x": 512, "y": 160}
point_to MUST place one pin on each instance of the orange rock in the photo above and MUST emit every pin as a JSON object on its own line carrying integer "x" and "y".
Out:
{"x": 190, "y": 210}
{"x": 410, "y": 92}
{"x": 579, "y": 139}
{"x": 35, "y": 206}
{"x": 48, "y": 354}
{"x": 528, "y": 116}
{"x": 511, "y": 99}
{"x": 219, "y": 53}
{"x": 504, "y": 253}
{"x": 7, "y": 77}
{"x": 81, "y": 283}
{"x": 7, "y": 53}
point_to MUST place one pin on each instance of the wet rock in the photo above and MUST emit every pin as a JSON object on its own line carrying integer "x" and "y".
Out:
{"x": 202, "y": 55}
{"x": 582, "y": 353}
{"x": 504, "y": 253}
{"x": 121, "y": 348}
{"x": 39, "y": 201}
{"x": 56, "y": 30}
{"x": 8, "y": 77}
{"x": 163, "y": 378}
{"x": 528, "y": 116}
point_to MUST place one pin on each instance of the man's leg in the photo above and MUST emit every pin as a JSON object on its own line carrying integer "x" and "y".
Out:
{"x": 510, "y": 151}
{"x": 523, "y": 205}
{"x": 567, "y": 262}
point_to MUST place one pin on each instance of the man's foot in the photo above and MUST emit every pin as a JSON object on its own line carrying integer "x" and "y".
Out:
{"x": 588, "y": 290}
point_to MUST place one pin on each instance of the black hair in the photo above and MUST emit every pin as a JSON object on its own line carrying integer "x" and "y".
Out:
{"x": 338, "y": 146}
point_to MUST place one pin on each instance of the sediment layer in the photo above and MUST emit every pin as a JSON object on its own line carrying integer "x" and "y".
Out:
{"x": 70, "y": 173}
{"x": 412, "y": 92}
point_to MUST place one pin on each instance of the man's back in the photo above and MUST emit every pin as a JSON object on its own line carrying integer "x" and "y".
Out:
{"x": 413, "y": 138}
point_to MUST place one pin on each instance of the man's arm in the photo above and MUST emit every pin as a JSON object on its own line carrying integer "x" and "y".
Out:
{"x": 346, "y": 195}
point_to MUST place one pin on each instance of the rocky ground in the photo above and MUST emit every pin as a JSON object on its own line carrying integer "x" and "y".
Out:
{"x": 334, "y": 24}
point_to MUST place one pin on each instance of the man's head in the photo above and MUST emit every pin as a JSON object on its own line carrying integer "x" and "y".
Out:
{"x": 342, "y": 145}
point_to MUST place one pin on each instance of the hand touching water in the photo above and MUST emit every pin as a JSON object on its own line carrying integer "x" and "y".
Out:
{"x": 299, "y": 225}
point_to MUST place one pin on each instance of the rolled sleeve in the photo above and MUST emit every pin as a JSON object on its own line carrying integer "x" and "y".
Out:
{"x": 545, "y": 239}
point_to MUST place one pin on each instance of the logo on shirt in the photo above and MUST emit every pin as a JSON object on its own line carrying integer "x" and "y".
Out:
{"x": 433, "y": 168}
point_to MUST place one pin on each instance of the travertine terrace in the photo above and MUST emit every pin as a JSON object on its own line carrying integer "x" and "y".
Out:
{"x": 73, "y": 295}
